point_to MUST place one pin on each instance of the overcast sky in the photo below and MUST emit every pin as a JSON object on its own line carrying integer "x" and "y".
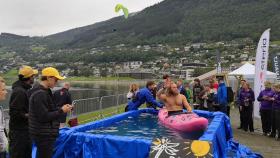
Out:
{"x": 44, "y": 17}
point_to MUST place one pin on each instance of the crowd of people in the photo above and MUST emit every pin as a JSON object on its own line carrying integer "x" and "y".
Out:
{"x": 35, "y": 113}
{"x": 213, "y": 96}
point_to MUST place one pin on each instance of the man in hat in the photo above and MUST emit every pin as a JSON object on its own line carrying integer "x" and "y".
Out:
{"x": 20, "y": 144}
{"x": 44, "y": 114}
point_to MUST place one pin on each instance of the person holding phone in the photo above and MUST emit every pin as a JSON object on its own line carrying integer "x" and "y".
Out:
{"x": 266, "y": 99}
{"x": 44, "y": 114}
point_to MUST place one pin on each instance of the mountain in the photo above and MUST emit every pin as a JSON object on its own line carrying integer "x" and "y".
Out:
{"x": 171, "y": 21}
{"x": 179, "y": 21}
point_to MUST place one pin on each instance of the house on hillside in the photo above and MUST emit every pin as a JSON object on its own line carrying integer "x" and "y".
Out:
{"x": 132, "y": 65}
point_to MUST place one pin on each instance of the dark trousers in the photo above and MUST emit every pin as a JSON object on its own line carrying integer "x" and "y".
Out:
{"x": 248, "y": 118}
{"x": 3, "y": 155}
{"x": 228, "y": 111}
{"x": 240, "y": 117}
{"x": 275, "y": 122}
{"x": 20, "y": 145}
{"x": 223, "y": 108}
{"x": 266, "y": 117}
{"x": 44, "y": 148}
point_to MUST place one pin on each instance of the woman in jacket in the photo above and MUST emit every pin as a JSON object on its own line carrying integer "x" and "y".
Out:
{"x": 276, "y": 113}
{"x": 265, "y": 98}
{"x": 131, "y": 95}
{"x": 246, "y": 100}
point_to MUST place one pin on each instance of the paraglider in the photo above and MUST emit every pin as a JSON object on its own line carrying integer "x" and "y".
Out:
{"x": 124, "y": 9}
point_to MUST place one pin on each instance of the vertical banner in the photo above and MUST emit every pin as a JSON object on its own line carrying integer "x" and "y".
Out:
{"x": 276, "y": 66}
{"x": 219, "y": 66}
{"x": 261, "y": 68}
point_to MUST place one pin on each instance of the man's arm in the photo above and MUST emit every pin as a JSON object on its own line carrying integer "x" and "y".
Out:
{"x": 17, "y": 105}
{"x": 42, "y": 112}
{"x": 224, "y": 95}
{"x": 150, "y": 99}
{"x": 186, "y": 104}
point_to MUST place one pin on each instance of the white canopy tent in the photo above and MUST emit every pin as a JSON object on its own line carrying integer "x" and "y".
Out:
{"x": 247, "y": 72}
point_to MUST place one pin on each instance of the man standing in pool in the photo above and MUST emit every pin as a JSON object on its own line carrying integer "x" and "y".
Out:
{"x": 174, "y": 101}
{"x": 144, "y": 95}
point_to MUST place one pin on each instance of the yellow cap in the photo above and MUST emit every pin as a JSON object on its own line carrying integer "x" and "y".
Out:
{"x": 50, "y": 71}
{"x": 27, "y": 71}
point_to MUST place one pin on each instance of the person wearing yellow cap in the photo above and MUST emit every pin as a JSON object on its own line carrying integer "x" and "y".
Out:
{"x": 20, "y": 144}
{"x": 44, "y": 114}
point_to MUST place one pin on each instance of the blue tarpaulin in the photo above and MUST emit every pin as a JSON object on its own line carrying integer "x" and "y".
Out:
{"x": 76, "y": 143}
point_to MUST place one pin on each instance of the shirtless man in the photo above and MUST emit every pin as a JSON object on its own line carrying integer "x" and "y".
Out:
{"x": 174, "y": 101}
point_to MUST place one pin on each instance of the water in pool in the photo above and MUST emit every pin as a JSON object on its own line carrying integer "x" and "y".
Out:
{"x": 144, "y": 126}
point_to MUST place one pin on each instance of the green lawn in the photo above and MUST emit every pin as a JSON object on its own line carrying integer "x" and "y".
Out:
{"x": 10, "y": 76}
{"x": 275, "y": 42}
{"x": 92, "y": 116}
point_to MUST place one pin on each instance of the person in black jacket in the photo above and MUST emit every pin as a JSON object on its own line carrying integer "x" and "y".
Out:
{"x": 20, "y": 144}
{"x": 62, "y": 97}
{"x": 44, "y": 114}
{"x": 197, "y": 89}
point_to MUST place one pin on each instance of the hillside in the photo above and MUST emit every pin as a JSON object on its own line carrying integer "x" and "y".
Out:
{"x": 180, "y": 21}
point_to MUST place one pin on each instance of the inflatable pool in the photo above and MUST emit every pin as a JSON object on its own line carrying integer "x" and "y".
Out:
{"x": 76, "y": 142}
{"x": 186, "y": 122}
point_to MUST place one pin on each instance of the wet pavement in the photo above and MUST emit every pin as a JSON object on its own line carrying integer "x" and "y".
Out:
{"x": 266, "y": 146}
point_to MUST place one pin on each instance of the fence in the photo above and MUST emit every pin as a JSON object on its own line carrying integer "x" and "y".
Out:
{"x": 86, "y": 106}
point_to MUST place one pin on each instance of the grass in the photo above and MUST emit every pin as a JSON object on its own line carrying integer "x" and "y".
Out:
{"x": 91, "y": 78}
{"x": 10, "y": 76}
{"x": 92, "y": 116}
{"x": 275, "y": 42}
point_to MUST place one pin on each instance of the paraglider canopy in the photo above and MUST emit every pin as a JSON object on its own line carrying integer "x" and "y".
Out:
{"x": 124, "y": 9}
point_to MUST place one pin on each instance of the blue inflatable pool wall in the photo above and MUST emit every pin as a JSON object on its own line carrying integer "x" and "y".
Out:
{"x": 76, "y": 143}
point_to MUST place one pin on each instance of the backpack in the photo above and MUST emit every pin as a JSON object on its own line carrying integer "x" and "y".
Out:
{"x": 230, "y": 95}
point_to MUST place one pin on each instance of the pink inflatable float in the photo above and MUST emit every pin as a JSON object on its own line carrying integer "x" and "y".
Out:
{"x": 187, "y": 122}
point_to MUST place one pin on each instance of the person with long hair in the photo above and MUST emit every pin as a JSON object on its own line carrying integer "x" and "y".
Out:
{"x": 174, "y": 101}
{"x": 246, "y": 100}
{"x": 144, "y": 95}
{"x": 207, "y": 98}
{"x": 133, "y": 90}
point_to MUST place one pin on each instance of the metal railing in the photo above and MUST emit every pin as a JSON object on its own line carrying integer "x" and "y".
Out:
{"x": 87, "y": 106}
{"x": 98, "y": 104}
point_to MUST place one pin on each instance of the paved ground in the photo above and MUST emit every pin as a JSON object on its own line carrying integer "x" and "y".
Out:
{"x": 268, "y": 147}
